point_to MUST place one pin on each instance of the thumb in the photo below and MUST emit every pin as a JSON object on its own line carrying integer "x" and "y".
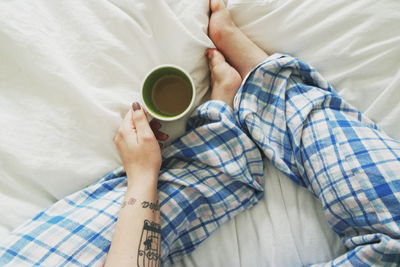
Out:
{"x": 140, "y": 122}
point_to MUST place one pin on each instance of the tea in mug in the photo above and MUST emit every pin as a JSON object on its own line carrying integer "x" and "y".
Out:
{"x": 171, "y": 95}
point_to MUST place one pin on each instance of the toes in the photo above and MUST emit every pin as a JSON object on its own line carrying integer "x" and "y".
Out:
{"x": 216, "y": 5}
{"x": 214, "y": 58}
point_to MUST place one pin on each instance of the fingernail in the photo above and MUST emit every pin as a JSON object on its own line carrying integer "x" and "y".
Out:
{"x": 135, "y": 106}
{"x": 163, "y": 136}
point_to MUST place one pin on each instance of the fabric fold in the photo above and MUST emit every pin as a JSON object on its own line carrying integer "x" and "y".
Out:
{"x": 284, "y": 111}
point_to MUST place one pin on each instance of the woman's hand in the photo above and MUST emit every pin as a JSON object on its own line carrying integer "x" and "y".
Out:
{"x": 138, "y": 147}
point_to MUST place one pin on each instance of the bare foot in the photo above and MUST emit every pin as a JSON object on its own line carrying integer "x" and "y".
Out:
{"x": 238, "y": 49}
{"x": 225, "y": 80}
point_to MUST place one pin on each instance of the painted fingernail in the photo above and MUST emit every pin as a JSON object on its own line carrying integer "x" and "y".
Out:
{"x": 164, "y": 137}
{"x": 135, "y": 106}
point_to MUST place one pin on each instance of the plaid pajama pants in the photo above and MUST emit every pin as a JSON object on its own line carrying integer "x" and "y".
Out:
{"x": 285, "y": 111}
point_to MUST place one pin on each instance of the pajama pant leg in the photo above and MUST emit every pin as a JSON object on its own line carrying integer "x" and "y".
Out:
{"x": 324, "y": 144}
{"x": 286, "y": 110}
{"x": 209, "y": 175}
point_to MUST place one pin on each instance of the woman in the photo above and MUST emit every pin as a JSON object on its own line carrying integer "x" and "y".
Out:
{"x": 136, "y": 139}
{"x": 286, "y": 112}
{"x": 244, "y": 55}
{"x": 140, "y": 153}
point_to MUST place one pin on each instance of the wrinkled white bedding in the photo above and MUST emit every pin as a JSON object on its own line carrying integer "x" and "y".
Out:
{"x": 70, "y": 69}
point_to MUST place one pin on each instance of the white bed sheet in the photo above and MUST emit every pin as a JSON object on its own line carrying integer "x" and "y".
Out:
{"x": 70, "y": 69}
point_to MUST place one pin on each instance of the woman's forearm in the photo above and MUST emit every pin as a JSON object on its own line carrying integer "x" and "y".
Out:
{"x": 136, "y": 240}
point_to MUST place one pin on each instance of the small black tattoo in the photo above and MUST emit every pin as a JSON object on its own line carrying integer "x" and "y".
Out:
{"x": 149, "y": 246}
{"x": 131, "y": 201}
{"x": 153, "y": 206}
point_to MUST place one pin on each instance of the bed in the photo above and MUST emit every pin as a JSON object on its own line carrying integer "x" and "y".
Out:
{"x": 70, "y": 69}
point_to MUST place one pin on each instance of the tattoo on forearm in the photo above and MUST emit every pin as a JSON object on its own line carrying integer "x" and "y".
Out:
{"x": 149, "y": 246}
{"x": 153, "y": 206}
{"x": 131, "y": 201}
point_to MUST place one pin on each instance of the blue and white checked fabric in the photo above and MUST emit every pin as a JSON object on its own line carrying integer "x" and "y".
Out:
{"x": 286, "y": 112}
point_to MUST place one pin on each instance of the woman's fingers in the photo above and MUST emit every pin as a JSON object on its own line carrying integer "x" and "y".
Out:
{"x": 139, "y": 120}
{"x": 126, "y": 130}
{"x": 161, "y": 136}
{"x": 135, "y": 124}
{"x": 127, "y": 124}
{"x": 155, "y": 125}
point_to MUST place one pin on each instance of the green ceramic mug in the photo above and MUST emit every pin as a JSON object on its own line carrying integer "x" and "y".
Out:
{"x": 168, "y": 92}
